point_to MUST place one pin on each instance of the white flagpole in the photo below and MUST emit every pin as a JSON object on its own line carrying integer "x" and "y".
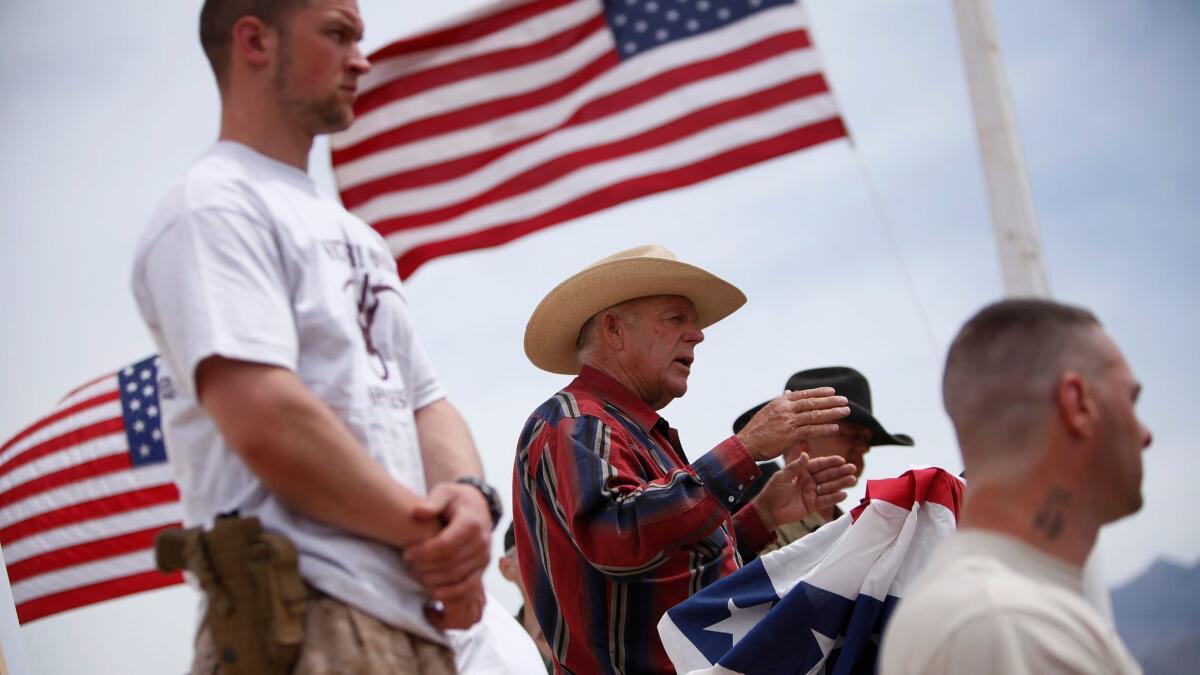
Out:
{"x": 1009, "y": 197}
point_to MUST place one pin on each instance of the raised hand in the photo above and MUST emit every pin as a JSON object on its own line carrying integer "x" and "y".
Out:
{"x": 793, "y": 417}
{"x": 803, "y": 487}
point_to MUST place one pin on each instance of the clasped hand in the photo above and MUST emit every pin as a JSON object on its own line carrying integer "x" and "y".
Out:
{"x": 450, "y": 565}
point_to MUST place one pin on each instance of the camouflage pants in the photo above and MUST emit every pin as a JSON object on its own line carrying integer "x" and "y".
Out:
{"x": 339, "y": 639}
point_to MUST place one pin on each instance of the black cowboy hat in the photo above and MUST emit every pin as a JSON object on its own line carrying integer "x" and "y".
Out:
{"x": 510, "y": 538}
{"x": 849, "y": 383}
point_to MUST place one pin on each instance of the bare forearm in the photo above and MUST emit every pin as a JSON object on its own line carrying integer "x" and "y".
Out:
{"x": 452, "y": 563}
{"x": 446, "y": 445}
{"x": 305, "y": 455}
{"x": 319, "y": 469}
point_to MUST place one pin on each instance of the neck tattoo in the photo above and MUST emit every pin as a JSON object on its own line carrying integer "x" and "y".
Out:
{"x": 1049, "y": 519}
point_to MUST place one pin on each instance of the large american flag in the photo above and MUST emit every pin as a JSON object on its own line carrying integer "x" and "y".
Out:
{"x": 83, "y": 492}
{"x": 529, "y": 113}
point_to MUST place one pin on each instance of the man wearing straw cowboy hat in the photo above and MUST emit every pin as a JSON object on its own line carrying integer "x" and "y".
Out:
{"x": 858, "y": 433}
{"x": 614, "y": 525}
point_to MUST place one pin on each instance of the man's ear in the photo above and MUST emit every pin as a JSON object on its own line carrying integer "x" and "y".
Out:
{"x": 612, "y": 331}
{"x": 253, "y": 41}
{"x": 1076, "y": 407}
{"x": 508, "y": 568}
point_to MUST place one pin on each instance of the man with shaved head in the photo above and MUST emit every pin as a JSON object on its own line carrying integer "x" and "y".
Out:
{"x": 295, "y": 390}
{"x": 1042, "y": 402}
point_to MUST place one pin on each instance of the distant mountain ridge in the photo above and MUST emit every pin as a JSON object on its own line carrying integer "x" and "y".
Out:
{"x": 1158, "y": 617}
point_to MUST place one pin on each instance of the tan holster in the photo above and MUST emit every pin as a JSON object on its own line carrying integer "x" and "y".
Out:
{"x": 256, "y": 598}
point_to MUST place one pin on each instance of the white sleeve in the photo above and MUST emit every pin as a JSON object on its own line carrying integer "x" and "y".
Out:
{"x": 419, "y": 375}
{"x": 216, "y": 285}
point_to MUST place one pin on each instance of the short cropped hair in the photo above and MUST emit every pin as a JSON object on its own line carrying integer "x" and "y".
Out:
{"x": 1003, "y": 366}
{"x": 218, "y": 16}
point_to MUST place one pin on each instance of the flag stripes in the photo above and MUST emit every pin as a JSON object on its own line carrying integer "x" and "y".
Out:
{"x": 518, "y": 66}
{"x": 520, "y": 118}
{"x": 489, "y": 21}
{"x": 623, "y": 117}
{"x": 66, "y": 441}
{"x": 71, "y": 474}
{"x": 632, "y": 189}
{"x": 78, "y": 510}
{"x": 81, "y": 553}
{"x": 92, "y": 593}
{"x": 56, "y": 417}
{"x": 85, "y": 510}
{"x": 70, "y": 536}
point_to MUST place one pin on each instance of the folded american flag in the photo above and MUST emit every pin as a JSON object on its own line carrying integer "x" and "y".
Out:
{"x": 83, "y": 493}
{"x": 820, "y": 604}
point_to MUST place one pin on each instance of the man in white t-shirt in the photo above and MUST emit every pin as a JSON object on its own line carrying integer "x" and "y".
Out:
{"x": 1043, "y": 404}
{"x": 295, "y": 389}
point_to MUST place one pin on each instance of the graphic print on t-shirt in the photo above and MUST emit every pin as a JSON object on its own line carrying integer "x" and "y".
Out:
{"x": 366, "y": 292}
{"x": 367, "y": 299}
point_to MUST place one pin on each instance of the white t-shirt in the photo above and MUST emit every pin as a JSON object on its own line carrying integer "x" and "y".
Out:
{"x": 244, "y": 258}
{"x": 497, "y": 645}
{"x": 989, "y": 603}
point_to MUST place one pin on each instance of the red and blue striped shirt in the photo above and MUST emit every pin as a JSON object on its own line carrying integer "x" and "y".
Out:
{"x": 614, "y": 526}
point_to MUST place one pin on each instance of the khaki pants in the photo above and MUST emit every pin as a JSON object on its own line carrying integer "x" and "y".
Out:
{"x": 339, "y": 639}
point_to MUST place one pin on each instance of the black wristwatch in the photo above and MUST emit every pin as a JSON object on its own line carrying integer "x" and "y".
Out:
{"x": 495, "y": 508}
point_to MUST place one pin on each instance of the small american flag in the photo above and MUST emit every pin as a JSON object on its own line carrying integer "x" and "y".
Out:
{"x": 529, "y": 113}
{"x": 83, "y": 492}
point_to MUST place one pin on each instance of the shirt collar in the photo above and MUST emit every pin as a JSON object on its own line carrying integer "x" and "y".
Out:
{"x": 618, "y": 395}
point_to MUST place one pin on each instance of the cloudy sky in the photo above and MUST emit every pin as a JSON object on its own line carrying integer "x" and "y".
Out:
{"x": 107, "y": 103}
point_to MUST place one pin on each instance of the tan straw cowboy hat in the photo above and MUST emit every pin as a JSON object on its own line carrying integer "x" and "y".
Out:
{"x": 553, "y": 330}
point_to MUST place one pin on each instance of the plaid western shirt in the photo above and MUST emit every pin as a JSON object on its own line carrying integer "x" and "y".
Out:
{"x": 614, "y": 527}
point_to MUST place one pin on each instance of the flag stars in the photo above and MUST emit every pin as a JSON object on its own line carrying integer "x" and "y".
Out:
{"x": 740, "y": 620}
{"x": 639, "y": 26}
{"x": 139, "y": 410}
